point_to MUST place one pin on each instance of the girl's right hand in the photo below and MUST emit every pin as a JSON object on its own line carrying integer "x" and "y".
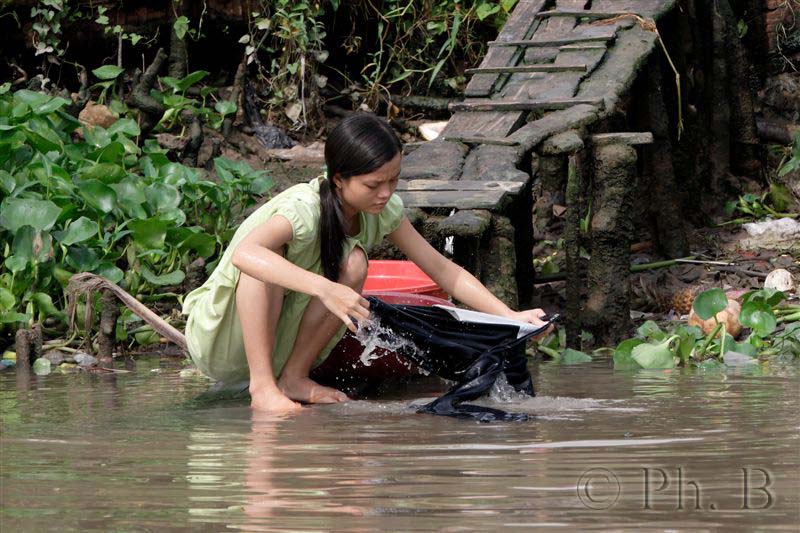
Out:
{"x": 345, "y": 303}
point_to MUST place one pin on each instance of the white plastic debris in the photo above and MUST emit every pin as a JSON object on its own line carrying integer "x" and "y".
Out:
{"x": 780, "y": 279}
{"x": 769, "y": 234}
{"x": 431, "y": 130}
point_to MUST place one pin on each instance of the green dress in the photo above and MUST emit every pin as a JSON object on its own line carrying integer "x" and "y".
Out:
{"x": 213, "y": 331}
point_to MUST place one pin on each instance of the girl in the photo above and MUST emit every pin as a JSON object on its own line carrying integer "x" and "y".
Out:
{"x": 293, "y": 272}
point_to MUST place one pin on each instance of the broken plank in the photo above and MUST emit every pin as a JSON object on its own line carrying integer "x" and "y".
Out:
{"x": 523, "y": 105}
{"x": 528, "y": 68}
{"x": 459, "y": 185}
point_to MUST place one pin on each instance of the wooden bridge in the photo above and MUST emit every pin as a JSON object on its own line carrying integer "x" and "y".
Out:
{"x": 540, "y": 105}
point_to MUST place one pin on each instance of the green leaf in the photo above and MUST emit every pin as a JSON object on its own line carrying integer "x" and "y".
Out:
{"x": 758, "y": 316}
{"x": 110, "y": 272}
{"x": 162, "y": 197}
{"x": 623, "y": 355}
{"x": 655, "y": 356}
{"x": 105, "y": 172}
{"x": 44, "y": 303}
{"x": 485, "y": 9}
{"x": 149, "y": 233}
{"x": 18, "y": 212}
{"x": 11, "y": 317}
{"x": 82, "y": 259}
{"x": 98, "y": 195}
{"x": 78, "y": 231}
{"x": 16, "y": 263}
{"x": 771, "y": 297}
{"x": 202, "y": 243}
{"x": 7, "y": 300}
{"x": 181, "y": 26}
{"x": 573, "y": 357}
{"x": 708, "y": 303}
{"x": 128, "y": 126}
{"x": 108, "y": 72}
{"x": 225, "y": 107}
{"x": 146, "y": 336}
{"x": 173, "y": 278}
{"x": 650, "y": 330}
{"x": 191, "y": 79}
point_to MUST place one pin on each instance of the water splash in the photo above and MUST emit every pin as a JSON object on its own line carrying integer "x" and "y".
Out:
{"x": 379, "y": 341}
{"x": 502, "y": 392}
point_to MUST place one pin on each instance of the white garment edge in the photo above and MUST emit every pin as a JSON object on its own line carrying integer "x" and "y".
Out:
{"x": 476, "y": 317}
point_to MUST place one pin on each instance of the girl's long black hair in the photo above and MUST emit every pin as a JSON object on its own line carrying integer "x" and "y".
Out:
{"x": 358, "y": 145}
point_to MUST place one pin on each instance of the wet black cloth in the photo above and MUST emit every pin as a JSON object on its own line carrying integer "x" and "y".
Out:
{"x": 471, "y": 354}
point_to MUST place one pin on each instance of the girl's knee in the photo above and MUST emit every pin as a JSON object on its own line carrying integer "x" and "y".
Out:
{"x": 354, "y": 269}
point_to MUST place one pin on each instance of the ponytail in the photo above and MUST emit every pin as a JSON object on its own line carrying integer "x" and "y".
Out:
{"x": 359, "y": 144}
{"x": 332, "y": 229}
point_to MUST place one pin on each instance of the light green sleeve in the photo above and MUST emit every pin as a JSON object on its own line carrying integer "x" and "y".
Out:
{"x": 391, "y": 216}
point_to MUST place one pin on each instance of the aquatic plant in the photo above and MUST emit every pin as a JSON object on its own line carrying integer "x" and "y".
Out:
{"x": 774, "y": 331}
{"x": 89, "y": 199}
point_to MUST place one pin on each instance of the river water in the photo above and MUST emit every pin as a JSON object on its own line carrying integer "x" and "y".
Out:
{"x": 680, "y": 449}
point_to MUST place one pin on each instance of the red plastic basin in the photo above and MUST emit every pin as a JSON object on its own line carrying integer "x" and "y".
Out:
{"x": 400, "y": 276}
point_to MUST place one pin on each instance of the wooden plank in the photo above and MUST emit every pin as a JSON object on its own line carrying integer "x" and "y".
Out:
{"x": 517, "y": 27}
{"x": 528, "y": 68}
{"x": 498, "y": 124}
{"x": 492, "y": 200}
{"x": 459, "y": 185}
{"x": 630, "y": 138}
{"x": 646, "y": 8}
{"x": 590, "y": 14}
{"x": 535, "y": 132}
{"x": 554, "y": 42}
{"x": 522, "y": 105}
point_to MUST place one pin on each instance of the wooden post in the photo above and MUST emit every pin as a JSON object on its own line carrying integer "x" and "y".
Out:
{"x": 572, "y": 240}
{"x": 607, "y": 310}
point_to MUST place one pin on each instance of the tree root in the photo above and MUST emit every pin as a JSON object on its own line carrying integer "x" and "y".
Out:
{"x": 140, "y": 97}
{"x": 86, "y": 283}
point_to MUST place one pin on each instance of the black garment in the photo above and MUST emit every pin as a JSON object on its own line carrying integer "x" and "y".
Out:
{"x": 471, "y": 354}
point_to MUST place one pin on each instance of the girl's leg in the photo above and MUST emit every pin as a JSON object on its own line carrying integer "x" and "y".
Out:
{"x": 317, "y": 328}
{"x": 259, "y": 306}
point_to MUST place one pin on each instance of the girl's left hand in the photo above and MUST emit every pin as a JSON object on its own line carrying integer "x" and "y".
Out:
{"x": 533, "y": 316}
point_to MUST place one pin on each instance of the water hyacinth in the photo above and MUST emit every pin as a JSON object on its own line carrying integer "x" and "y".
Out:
{"x": 92, "y": 200}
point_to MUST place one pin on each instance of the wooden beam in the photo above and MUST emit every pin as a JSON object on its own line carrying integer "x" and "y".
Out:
{"x": 546, "y": 43}
{"x": 583, "y": 14}
{"x": 630, "y": 138}
{"x": 459, "y": 185}
{"x": 581, "y": 47}
{"x": 477, "y": 139}
{"x": 522, "y": 105}
{"x": 527, "y": 68}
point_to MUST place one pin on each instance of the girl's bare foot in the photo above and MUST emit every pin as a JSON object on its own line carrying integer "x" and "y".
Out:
{"x": 272, "y": 401}
{"x": 304, "y": 389}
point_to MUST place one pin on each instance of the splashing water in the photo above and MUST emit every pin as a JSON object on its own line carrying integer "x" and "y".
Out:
{"x": 502, "y": 392}
{"x": 379, "y": 341}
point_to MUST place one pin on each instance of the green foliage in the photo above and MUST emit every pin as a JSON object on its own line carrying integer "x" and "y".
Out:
{"x": 102, "y": 204}
{"x": 774, "y": 332}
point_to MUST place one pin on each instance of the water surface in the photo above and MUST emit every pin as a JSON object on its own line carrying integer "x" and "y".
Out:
{"x": 679, "y": 449}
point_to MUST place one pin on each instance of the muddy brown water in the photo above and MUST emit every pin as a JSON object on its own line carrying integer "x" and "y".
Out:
{"x": 681, "y": 449}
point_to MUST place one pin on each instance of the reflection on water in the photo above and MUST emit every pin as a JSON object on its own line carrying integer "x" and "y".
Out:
{"x": 655, "y": 449}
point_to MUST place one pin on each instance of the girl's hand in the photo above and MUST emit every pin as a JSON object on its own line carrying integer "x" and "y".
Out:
{"x": 345, "y": 303}
{"x": 533, "y": 316}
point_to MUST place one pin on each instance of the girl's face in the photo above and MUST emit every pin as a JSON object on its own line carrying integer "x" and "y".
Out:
{"x": 369, "y": 192}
